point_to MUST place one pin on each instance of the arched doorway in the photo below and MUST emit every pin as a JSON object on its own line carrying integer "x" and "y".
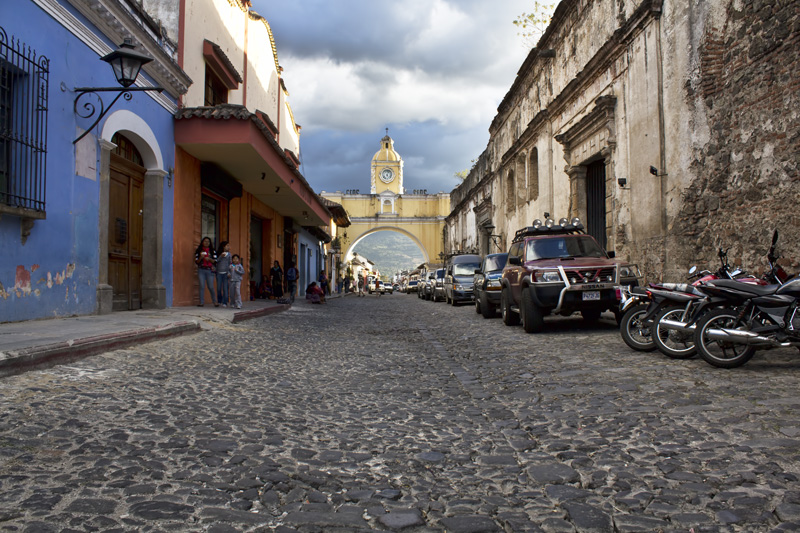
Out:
{"x": 125, "y": 224}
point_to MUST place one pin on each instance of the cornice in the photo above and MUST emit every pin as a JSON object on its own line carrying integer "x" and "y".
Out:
{"x": 117, "y": 23}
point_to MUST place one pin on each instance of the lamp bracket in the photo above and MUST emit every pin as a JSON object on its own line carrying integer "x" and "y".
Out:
{"x": 88, "y": 109}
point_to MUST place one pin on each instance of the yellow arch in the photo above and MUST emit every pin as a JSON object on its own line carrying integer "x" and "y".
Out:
{"x": 349, "y": 253}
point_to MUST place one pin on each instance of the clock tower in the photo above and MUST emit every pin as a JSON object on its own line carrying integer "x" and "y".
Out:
{"x": 387, "y": 169}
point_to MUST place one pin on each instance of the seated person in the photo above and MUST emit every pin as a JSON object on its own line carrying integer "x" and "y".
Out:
{"x": 264, "y": 289}
{"x": 315, "y": 294}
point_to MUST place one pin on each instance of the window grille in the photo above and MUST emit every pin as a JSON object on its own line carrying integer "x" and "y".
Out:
{"x": 23, "y": 126}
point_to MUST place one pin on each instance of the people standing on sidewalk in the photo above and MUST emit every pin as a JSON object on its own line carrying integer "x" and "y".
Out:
{"x": 223, "y": 263}
{"x": 276, "y": 273}
{"x": 236, "y": 272}
{"x": 323, "y": 282}
{"x": 205, "y": 258}
{"x": 291, "y": 281}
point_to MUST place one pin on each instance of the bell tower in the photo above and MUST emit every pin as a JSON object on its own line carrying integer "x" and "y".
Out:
{"x": 387, "y": 169}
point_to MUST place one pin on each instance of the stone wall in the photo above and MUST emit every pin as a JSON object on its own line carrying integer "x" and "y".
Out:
{"x": 746, "y": 180}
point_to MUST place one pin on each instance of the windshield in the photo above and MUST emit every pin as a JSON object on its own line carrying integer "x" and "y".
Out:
{"x": 568, "y": 246}
{"x": 465, "y": 269}
{"x": 496, "y": 262}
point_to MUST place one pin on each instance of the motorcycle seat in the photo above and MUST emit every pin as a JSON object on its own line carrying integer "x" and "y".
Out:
{"x": 756, "y": 290}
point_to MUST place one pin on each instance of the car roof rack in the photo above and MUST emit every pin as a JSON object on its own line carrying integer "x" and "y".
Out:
{"x": 555, "y": 229}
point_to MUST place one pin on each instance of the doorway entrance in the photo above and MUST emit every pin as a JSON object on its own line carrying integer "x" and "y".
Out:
{"x": 125, "y": 220}
{"x": 596, "y": 201}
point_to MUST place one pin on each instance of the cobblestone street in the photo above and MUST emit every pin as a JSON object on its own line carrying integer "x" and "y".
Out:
{"x": 393, "y": 413}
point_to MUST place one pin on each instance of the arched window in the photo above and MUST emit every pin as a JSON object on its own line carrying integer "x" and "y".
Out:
{"x": 510, "y": 191}
{"x": 126, "y": 149}
{"x": 533, "y": 175}
{"x": 522, "y": 191}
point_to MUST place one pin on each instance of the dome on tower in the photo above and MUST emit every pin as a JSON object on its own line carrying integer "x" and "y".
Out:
{"x": 386, "y": 153}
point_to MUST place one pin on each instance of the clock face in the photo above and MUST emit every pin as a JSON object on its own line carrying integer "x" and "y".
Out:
{"x": 387, "y": 175}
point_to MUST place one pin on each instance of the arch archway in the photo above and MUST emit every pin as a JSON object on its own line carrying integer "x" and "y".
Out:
{"x": 349, "y": 252}
{"x": 136, "y": 129}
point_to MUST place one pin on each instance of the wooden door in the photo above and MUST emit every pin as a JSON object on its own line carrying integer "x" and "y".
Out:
{"x": 125, "y": 199}
{"x": 596, "y": 201}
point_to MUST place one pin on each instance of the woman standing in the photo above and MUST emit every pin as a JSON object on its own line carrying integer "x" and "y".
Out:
{"x": 205, "y": 257}
{"x": 276, "y": 273}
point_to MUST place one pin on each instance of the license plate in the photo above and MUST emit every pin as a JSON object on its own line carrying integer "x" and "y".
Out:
{"x": 591, "y": 295}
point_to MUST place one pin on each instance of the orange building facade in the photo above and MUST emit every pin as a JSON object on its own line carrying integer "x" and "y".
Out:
{"x": 236, "y": 174}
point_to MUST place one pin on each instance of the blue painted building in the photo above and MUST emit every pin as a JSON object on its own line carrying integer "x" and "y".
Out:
{"x": 86, "y": 226}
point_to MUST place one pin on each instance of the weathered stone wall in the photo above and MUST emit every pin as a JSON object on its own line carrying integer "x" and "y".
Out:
{"x": 746, "y": 179}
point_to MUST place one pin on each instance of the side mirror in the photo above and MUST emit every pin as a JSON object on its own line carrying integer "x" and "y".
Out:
{"x": 477, "y": 270}
{"x": 514, "y": 260}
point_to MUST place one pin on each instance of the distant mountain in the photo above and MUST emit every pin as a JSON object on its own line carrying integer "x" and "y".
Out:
{"x": 391, "y": 252}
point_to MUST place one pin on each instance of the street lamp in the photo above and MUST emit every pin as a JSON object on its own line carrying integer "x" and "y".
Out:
{"x": 126, "y": 63}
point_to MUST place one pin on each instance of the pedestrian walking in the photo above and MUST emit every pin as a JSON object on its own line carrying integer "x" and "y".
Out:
{"x": 276, "y": 273}
{"x": 223, "y": 264}
{"x": 205, "y": 258}
{"x": 236, "y": 272}
{"x": 291, "y": 281}
{"x": 360, "y": 287}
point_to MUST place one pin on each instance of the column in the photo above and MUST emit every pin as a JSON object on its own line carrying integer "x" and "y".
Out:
{"x": 105, "y": 292}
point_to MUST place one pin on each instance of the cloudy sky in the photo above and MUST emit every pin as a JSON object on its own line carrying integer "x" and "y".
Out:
{"x": 432, "y": 71}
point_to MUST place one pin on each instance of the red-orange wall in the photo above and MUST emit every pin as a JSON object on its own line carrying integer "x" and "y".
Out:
{"x": 235, "y": 223}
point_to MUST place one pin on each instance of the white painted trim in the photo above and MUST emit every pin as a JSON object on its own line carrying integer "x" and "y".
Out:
{"x": 127, "y": 121}
{"x": 90, "y": 39}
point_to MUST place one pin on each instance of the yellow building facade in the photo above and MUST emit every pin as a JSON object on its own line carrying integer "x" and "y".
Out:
{"x": 418, "y": 215}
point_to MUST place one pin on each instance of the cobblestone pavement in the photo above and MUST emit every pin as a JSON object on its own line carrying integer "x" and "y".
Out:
{"x": 394, "y": 413}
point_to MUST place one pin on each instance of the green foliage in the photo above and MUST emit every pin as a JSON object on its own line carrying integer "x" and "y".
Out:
{"x": 462, "y": 175}
{"x": 533, "y": 25}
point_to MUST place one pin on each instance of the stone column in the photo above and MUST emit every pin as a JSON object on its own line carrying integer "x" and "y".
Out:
{"x": 105, "y": 292}
{"x": 154, "y": 294}
{"x": 577, "y": 192}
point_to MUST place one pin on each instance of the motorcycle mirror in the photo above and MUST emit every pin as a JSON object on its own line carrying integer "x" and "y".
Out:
{"x": 692, "y": 270}
{"x": 775, "y": 238}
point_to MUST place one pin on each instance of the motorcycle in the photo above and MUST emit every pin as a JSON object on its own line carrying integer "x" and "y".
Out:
{"x": 754, "y": 317}
{"x": 641, "y": 308}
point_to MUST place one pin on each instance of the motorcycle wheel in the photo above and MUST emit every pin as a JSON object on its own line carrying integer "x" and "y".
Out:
{"x": 672, "y": 343}
{"x": 635, "y": 333}
{"x": 720, "y": 353}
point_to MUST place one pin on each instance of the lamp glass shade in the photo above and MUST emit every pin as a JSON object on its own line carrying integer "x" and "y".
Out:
{"x": 126, "y": 62}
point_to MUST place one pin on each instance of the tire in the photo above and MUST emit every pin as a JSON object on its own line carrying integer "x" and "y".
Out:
{"x": 720, "y": 353}
{"x": 634, "y": 332}
{"x": 478, "y": 305}
{"x": 672, "y": 343}
{"x": 487, "y": 309}
{"x": 510, "y": 318}
{"x": 531, "y": 314}
{"x": 591, "y": 316}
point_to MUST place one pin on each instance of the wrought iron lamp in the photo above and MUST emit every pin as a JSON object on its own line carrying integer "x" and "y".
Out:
{"x": 126, "y": 62}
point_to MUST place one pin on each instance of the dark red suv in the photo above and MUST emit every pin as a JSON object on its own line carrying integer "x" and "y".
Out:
{"x": 559, "y": 269}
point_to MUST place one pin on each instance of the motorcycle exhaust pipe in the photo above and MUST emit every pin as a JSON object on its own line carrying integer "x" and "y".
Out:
{"x": 676, "y": 325}
{"x": 744, "y": 337}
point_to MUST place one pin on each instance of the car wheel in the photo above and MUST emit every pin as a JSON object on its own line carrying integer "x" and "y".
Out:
{"x": 487, "y": 309}
{"x": 510, "y": 318}
{"x": 478, "y": 305}
{"x": 532, "y": 317}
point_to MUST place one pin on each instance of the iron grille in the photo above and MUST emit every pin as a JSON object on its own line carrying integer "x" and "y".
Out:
{"x": 23, "y": 125}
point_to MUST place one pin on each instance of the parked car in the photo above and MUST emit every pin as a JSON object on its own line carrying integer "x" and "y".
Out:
{"x": 412, "y": 286}
{"x": 559, "y": 269}
{"x": 426, "y": 292}
{"x": 437, "y": 284}
{"x": 421, "y": 285}
{"x": 459, "y": 277}
{"x": 387, "y": 287}
{"x": 487, "y": 284}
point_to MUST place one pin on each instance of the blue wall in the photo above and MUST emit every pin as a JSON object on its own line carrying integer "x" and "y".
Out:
{"x": 61, "y": 255}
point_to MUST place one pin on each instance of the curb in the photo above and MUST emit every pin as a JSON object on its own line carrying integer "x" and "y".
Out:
{"x": 255, "y": 313}
{"x": 63, "y": 352}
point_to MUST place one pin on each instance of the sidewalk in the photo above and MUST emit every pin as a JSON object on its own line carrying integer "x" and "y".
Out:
{"x": 42, "y": 343}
